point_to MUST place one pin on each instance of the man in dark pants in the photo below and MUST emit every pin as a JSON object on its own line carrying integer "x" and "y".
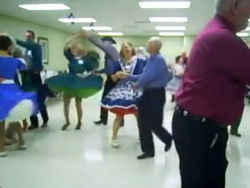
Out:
{"x": 109, "y": 84}
{"x": 153, "y": 80}
{"x": 32, "y": 78}
{"x": 212, "y": 96}
{"x": 201, "y": 148}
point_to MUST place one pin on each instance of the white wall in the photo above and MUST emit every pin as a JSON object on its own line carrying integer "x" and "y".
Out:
{"x": 56, "y": 38}
{"x": 172, "y": 46}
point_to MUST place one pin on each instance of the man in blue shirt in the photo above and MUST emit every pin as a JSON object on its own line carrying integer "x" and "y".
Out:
{"x": 153, "y": 81}
{"x": 32, "y": 78}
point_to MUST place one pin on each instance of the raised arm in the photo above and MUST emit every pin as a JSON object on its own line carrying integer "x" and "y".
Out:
{"x": 106, "y": 47}
{"x": 26, "y": 44}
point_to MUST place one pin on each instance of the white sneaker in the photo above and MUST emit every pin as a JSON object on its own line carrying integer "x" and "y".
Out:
{"x": 3, "y": 154}
{"x": 115, "y": 143}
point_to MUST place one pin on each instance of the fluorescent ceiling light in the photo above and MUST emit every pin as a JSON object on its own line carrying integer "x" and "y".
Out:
{"x": 111, "y": 33}
{"x": 165, "y": 4}
{"x": 97, "y": 28}
{"x": 169, "y": 19}
{"x": 243, "y": 34}
{"x": 171, "y": 34}
{"x": 170, "y": 28}
{"x": 77, "y": 20}
{"x": 44, "y": 7}
{"x": 247, "y": 29}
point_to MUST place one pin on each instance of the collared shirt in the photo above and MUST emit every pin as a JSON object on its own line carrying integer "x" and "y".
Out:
{"x": 33, "y": 54}
{"x": 217, "y": 73}
{"x": 155, "y": 74}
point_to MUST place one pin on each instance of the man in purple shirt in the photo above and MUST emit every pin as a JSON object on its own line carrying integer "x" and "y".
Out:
{"x": 153, "y": 81}
{"x": 212, "y": 96}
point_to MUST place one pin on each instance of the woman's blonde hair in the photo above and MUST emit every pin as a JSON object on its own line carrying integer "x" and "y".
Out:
{"x": 131, "y": 46}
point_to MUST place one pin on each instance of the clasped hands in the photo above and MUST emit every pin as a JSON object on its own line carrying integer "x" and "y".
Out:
{"x": 121, "y": 75}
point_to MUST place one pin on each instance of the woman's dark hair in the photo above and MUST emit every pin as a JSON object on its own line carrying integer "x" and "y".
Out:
{"x": 131, "y": 46}
{"x": 177, "y": 59}
{"x": 5, "y": 42}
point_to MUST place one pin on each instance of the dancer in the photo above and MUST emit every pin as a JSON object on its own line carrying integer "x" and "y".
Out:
{"x": 141, "y": 53}
{"x": 153, "y": 80}
{"x": 111, "y": 58}
{"x": 18, "y": 79}
{"x": 15, "y": 104}
{"x": 212, "y": 96}
{"x": 79, "y": 82}
{"x": 178, "y": 72}
{"x": 123, "y": 99}
{"x": 31, "y": 78}
{"x": 116, "y": 66}
{"x": 109, "y": 83}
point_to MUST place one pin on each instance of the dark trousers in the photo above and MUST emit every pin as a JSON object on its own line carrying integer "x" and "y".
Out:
{"x": 201, "y": 147}
{"x": 150, "y": 111}
{"x": 236, "y": 125}
{"x": 34, "y": 119}
{"x": 108, "y": 86}
{"x": 37, "y": 83}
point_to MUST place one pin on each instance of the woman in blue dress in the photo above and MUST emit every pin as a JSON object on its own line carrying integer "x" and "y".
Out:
{"x": 79, "y": 82}
{"x": 15, "y": 105}
{"x": 122, "y": 99}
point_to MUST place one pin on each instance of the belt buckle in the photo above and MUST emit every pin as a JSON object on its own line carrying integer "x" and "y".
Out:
{"x": 185, "y": 113}
{"x": 203, "y": 120}
{"x": 177, "y": 107}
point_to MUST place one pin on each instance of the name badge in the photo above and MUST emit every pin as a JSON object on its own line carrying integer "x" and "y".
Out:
{"x": 80, "y": 62}
{"x": 29, "y": 53}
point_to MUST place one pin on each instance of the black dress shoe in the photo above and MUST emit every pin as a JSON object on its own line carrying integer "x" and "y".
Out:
{"x": 236, "y": 134}
{"x": 45, "y": 125}
{"x": 100, "y": 122}
{"x": 32, "y": 127}
{"x": 65, "y": 126}
{"x": 145, "y": 156}
{"x": 78, "y": 127}
{"x": 168, "y": 146}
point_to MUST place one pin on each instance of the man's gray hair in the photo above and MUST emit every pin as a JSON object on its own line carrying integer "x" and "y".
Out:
{"x": 156, "y": 41}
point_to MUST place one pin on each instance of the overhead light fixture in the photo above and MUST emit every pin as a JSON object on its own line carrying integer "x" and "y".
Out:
{"x": 110, "y": 33}
{"x": 171, "y": 34}
{"x": 97, "y": 28}
{"x": 77, "y": 20}
{"x": 243, "y": 34}
{"x": 247, "y": 29}
{"x": 170, "y": 28}
{"x": 165, "y": 4}
{"x": 44, "y": 6}
{"x": 169, "y": 19}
